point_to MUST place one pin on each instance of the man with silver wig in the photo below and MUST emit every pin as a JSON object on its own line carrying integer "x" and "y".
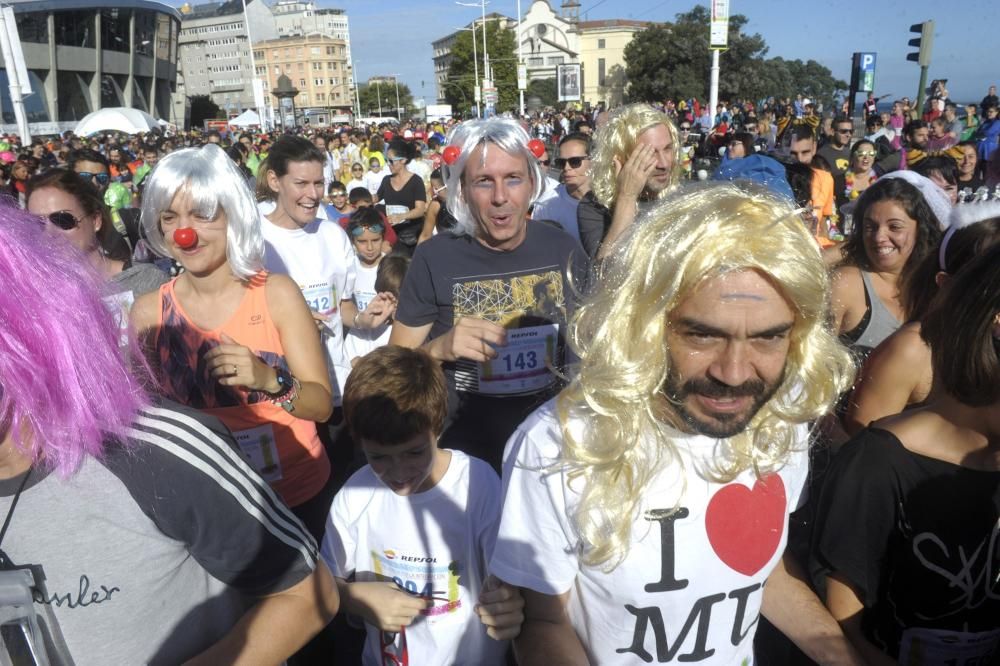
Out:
{"x": 489, "y": 300}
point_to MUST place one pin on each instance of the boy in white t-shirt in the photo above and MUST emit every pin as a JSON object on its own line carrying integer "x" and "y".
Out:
{"x": 366, "y": 228}
{"x": 409, "y": 535}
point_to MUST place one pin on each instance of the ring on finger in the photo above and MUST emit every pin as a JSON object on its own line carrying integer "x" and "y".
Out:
{"x": 236, "y": 370}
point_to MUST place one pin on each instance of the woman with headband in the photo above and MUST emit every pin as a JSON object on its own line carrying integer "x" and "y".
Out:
{"x": 898, "y": 373}
{"x": 228, "y": 338}
{"x": 906, "y": 533}
{"x": 894, "y": 228}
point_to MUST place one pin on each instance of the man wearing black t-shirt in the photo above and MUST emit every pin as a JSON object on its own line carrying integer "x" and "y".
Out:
{"x": 490, "y": 300}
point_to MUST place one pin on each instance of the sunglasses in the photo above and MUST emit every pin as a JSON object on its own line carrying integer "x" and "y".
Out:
{"x": 361, "y": 228}
{"x": 395, "y": 160}
{"x": 845, "y": 131}
{"x": 63, "y": 220}
{"x": 573, "y": 162}
{"x": 102, "y": 177}
{"x": 685, "y": 128}
{"x": 337, "y": 195}
{"x": 866, "y": 153}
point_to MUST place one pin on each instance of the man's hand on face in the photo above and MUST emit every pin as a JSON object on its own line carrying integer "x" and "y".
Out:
{"x": 632, "y": 176}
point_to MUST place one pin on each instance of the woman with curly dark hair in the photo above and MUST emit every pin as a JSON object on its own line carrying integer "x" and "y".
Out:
{"x": 906, "y": 525}
{"x": 894, "y": 229}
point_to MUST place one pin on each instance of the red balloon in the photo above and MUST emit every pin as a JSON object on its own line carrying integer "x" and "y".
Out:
{"x": 185, "y": 238}
{"x": 536, "y": 147}
{"x": 451, "y": 154}
{"x": 387, "y": 135}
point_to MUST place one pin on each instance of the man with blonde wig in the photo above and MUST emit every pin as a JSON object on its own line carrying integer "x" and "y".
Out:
{"x": 489, "y": 299}
{"x": 635, "y": 161}
{"x": 647, "y": 506}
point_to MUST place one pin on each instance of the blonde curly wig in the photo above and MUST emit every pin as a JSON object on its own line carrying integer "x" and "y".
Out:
{"x": 620, "y": 337}
{"x": 617, "y": 138}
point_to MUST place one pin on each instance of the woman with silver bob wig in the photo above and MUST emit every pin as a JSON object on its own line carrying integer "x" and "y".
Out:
{"x": 214, "y": 181}
{"x": 508, "y": 136}
{"x": 230, "y": 339}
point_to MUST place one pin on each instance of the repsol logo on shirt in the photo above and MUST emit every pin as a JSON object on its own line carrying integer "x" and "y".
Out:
{"x": 392, "y": 555}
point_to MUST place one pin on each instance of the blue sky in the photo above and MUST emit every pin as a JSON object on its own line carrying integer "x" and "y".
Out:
{"x": 394, "y": 36}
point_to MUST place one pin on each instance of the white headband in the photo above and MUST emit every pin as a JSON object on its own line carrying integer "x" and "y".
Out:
{"x": 935, "y": 197}
{"x": 965, "y": 214}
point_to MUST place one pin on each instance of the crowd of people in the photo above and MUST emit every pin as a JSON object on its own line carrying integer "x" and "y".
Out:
{"x": 608, "y": 386}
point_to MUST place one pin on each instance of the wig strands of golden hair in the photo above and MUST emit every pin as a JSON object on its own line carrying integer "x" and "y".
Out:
{"x": 619, "y": 334}
{"x": 617, "y": 138}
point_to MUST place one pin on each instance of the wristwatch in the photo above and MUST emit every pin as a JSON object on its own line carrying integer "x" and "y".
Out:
{"x": 288, "y": 391}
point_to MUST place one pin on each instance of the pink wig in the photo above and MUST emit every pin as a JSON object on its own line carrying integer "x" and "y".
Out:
{"x": 65, "y": 386}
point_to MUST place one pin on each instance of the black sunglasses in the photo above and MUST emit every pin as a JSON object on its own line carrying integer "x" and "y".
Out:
{"x": 573, "y": 162}
{"x": 685, "y": 128}
{"x": 102, "y": 177}
{"x": 63, "y": 220}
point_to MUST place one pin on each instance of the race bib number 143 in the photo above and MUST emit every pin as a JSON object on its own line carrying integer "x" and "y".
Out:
{"x": 524, "y": 364}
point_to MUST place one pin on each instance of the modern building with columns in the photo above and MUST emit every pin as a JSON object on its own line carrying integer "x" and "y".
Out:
{"x": 84, "y": 55}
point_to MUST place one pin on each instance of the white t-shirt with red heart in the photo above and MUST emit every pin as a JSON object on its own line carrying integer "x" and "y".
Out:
{"x": 689, "y": 589}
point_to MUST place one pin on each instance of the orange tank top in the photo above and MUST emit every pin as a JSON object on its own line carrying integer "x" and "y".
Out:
{"x": 284, "y": 450}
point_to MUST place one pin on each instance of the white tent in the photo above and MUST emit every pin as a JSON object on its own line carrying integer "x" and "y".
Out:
{"x": 246, "y": 119}
{"x": 116, "y": 118}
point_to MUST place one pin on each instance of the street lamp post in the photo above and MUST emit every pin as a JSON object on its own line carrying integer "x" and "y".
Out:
{"x": 257, "y": 88}
{"x": 399, "y": 113}
{"x": 487, "y": 75}
{"x": 378, "y": 93}
{"x": 475, "y": 62}
{"x": 357, "y": 93}
{"x": 520, "y": 62}
{"x": 486, "y": 57}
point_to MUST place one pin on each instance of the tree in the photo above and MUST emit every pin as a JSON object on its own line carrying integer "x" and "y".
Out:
{"x": 674, "y": 62}
{"x": 202, "y": 109}
{"x": 501, "y": 46}
{"x": 369, "y": 94}
{"x": 543, "y": 89}
{"x": 612, "y": 90}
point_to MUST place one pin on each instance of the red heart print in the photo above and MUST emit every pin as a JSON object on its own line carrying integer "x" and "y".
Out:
{"x": 745, "y": 525}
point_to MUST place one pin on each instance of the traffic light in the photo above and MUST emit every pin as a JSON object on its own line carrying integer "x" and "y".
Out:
{"x": 923, "y": 43}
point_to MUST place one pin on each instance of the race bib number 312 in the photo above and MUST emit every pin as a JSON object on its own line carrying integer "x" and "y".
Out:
{"x": 321, "y": 298}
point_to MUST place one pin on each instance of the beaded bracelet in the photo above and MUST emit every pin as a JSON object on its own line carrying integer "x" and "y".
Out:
{"x": 289, "y": 391}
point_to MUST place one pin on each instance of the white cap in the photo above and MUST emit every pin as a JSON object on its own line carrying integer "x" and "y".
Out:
{"x": 806, "y": 101}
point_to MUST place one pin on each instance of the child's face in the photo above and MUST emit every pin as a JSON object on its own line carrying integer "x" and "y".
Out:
{"x": 368, "y": 245}
{"x": 408, "y": 468}
{"x": 338, "y": 198}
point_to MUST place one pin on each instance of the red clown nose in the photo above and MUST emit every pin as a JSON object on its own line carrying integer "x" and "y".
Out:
{"x": 186, "y": 238}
